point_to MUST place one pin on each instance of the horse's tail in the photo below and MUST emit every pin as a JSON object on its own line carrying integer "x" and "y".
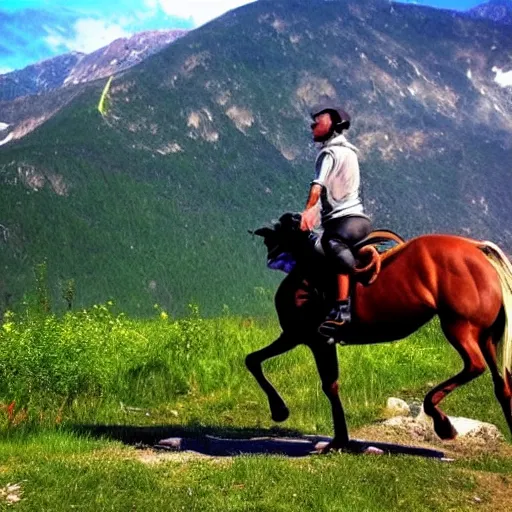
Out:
{"x": 503, "y": 267}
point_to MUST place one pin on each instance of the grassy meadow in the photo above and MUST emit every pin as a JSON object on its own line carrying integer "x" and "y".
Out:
{"x": 68, "y": 380}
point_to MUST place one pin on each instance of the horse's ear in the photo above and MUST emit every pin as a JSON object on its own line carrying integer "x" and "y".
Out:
{"x": 264, "y": 232}
{"x": 290, "y": 220}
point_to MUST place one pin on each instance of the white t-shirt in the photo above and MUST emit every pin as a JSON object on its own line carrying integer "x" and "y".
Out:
{"x": 337, "y": 170}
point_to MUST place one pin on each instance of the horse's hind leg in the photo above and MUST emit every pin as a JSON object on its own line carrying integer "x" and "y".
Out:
{"x": 465, "y": 339}
{"x": 502, "y": 388}
{"x": 253, "y": 361}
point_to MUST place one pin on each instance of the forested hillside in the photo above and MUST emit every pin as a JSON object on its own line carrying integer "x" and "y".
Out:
{"x": 151, "y": 202}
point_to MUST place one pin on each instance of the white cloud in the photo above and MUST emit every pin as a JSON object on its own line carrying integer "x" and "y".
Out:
{"x": 4, "y": 70}
{"x": 90, "y": 34}
{"x": 201, "y": 11}
{"x": 503, "y": 79}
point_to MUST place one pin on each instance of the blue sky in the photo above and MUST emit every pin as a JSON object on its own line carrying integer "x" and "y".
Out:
{"x": 34, "y": 30}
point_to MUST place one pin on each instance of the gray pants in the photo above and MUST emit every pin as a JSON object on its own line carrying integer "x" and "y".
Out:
{"x": 339, "y": 237}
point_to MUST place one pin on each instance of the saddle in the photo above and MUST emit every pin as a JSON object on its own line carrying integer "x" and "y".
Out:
{"x": 369, "y": 254}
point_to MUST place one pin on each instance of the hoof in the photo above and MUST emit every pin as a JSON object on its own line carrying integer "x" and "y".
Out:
{"x": 280, "y": 414}
{"x": 444, "y": 429}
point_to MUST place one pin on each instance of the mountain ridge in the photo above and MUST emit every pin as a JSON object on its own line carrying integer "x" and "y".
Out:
{"x": 78, "y": 67}
{"x": 208, "y": 138}
{"x": 499, "y": 11}
{"x": 31, "y": 96}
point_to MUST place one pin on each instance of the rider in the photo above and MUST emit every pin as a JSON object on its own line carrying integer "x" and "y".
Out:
{"x": 335, "y": 193}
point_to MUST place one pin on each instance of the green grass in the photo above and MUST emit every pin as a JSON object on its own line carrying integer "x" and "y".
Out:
{"x": 62, "y": 472}
{"x": 89, "y": 365}
{"x": 73, "y": 375}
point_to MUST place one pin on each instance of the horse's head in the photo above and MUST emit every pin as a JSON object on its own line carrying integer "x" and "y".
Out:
{"x": 282, "y": 236}
{"x": 284, "y": 241}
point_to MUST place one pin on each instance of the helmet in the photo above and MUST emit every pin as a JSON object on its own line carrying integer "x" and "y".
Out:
{"x": 341, "y": 119}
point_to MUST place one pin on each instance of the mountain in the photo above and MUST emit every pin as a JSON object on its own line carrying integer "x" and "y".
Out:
{"x": 121, "y": 54}
{"x": 150, "y": 201}
{"x": 44, "y": 76}
{"x": 31, "y": 96}
{"x": 75, "y": 67}
{"x": 499, "y": 11}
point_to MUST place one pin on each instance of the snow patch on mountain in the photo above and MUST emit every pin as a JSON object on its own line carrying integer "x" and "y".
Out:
{"x": 6, "y": 140}
{"x": 503, "y": 79}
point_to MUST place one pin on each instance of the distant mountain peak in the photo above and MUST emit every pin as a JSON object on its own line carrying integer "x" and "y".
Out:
{"x": 76, "y": 67}
{"x": 506, "y": 3}
{"x": 499, "y": 11}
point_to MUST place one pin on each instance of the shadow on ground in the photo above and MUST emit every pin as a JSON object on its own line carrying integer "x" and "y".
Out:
{"x": 229, "y": 441}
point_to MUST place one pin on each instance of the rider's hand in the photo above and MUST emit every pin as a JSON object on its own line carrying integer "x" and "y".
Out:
{"x": 309, "y": 219}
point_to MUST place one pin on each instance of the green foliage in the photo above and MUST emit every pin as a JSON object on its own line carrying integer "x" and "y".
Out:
{"x": 65, "y": 357}
{"x": 81, "y": 365}
{"x": 97, "y": 354}
{"x": 43, "y": 302}
{"x": 68, "y": 292}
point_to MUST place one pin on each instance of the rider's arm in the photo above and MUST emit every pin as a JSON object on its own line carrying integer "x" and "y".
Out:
{"x": 324, "y": 166}
{"x": 310, "y": 216}
{"x": 314, "y": 195}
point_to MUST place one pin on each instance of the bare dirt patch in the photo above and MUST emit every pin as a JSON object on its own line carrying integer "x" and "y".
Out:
{"x": 121, "y": 87}
{"x": 151, "y": 457}
{"x": 35, "y": 179}
{"x": 29, "y": 125}
{"x": 494, "y": 491}
{"x": 171, "y": 147}
{"x": 242, "y": 117}
{"x": 416, "y": 435}
{"x": 278, "y": 25}
{"x": 201, "y": 124}
{"x": 313, "y": 89}
{"x": 286, "y": 149}
{"x": 392, "y": 143}
{"x": 223, "y": 97}
{"x": 195, "y": 60}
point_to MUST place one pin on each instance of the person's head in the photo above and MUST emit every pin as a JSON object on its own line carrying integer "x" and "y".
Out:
{"x": 327, "y": 120}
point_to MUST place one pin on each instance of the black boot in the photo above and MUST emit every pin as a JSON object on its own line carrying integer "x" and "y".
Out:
{"x": 337, "y": 318}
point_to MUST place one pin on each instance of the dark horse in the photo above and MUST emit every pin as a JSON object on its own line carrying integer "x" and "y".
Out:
{"x": 467, "y": 283}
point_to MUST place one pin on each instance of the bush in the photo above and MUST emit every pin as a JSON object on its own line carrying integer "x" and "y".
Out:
{"x": 77, "y": 353}
{"x": 50, "y": 361}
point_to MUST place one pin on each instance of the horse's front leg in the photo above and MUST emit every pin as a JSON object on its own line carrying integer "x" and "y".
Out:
{"x": 253, "y": 361}
{"x": 326, "y": 360}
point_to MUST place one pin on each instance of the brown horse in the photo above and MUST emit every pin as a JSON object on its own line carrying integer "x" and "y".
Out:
{"x": 467, "y": 283}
